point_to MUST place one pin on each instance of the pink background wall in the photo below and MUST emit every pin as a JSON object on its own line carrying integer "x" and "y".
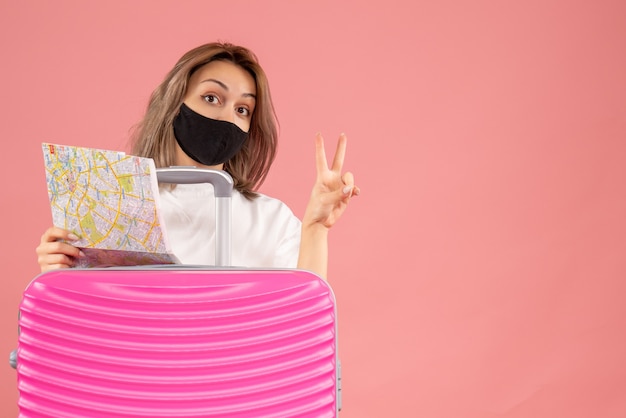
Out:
{"x": 482, "y": 273}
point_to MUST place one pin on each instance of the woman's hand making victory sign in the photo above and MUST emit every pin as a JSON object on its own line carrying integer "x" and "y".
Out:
{"x": 330, "y": 196}
{"x": 332, "y": 189}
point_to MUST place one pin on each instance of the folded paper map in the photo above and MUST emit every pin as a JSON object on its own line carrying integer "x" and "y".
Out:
{"x": 110, "y": 200}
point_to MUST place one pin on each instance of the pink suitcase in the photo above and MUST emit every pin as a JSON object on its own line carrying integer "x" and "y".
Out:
{"x": 178, "y": 341}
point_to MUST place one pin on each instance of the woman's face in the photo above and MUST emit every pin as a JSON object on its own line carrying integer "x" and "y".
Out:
{"x": 224, "y": 91}
{"x": 220, "y": 90}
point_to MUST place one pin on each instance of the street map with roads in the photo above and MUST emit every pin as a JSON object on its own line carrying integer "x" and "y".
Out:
{"x": 110, "y": 201}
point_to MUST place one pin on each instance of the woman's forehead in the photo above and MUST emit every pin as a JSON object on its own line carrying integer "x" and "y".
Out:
{"x": 228, "y": 75}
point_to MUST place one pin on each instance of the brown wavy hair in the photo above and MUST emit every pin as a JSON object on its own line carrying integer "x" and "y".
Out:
{"x": 153, "y": 136}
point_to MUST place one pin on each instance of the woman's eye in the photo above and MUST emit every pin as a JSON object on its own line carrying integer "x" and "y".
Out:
{"x": 244, "y": 111}
{"x": 210, "y": 98}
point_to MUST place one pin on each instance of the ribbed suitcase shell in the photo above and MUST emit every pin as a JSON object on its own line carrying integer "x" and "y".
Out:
{"x": 182, "y": 342}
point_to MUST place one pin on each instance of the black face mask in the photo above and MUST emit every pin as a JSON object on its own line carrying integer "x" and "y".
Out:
{"x": 208, "y": 141}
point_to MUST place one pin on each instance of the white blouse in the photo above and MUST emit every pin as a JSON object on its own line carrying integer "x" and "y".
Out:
{"x": 265, "y": 232}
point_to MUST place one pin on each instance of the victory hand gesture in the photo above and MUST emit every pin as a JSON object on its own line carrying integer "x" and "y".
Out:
{"x": 332, "y": 189}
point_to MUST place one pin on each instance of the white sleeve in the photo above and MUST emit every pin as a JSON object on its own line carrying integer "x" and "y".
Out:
{"x": 288, "y": 248}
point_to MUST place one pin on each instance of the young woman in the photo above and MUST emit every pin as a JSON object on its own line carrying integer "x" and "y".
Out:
{"x": 214, "y": 110}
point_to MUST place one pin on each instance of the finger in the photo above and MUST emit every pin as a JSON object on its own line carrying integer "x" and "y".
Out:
{"x": 55, "y": 233}
{"x": 340, "y": 153}
{"x": 56, "y": 262}
{"x": 320, "y": 154}
{"x": 50, "y": 261}
{"x": 57, "y": 247}
{"x": 348, "y": 178}
{"x": 55, "y": 267}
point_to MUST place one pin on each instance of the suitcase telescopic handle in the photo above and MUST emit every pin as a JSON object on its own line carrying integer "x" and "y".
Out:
{"x": 223, "y": 185}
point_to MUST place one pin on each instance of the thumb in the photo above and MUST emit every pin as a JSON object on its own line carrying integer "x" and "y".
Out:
{"x": 346, "y": 191}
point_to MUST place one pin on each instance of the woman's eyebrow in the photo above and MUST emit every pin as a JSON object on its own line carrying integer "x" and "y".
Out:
{"x": 225, "y": 87}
